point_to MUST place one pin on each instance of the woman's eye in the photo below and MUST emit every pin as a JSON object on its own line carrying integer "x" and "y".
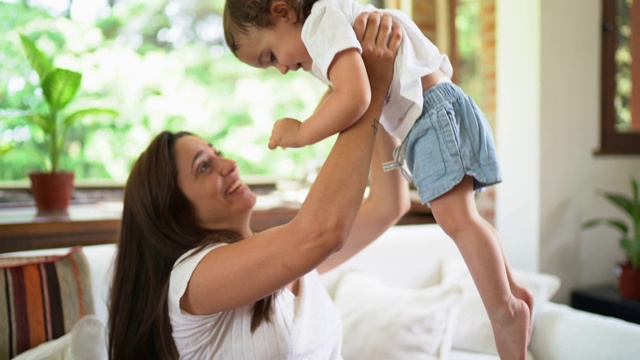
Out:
{"x": 273, "y": 58}
{"x": 219, "y": 153}
{"x": 204, "y": 167}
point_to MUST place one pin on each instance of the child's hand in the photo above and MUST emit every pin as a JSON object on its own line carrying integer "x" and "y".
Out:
{"x": 285, "y": 133}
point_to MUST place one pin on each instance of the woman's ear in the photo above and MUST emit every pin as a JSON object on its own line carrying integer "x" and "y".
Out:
{"x": 281, "y": 10}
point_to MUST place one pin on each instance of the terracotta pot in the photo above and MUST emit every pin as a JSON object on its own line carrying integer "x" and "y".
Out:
{"x": 629, "y": 281}
{"x": 52, "y": 191}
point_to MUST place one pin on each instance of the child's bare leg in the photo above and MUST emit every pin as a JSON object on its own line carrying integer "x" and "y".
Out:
{"x": 518, "y": 291}
{"x": 510, "y": 319}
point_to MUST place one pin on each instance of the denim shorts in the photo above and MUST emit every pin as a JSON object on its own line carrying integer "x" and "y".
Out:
{"x": 450, "y": 139}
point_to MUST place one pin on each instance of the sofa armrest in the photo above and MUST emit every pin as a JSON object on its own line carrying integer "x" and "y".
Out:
{"x": 561, "y": 332}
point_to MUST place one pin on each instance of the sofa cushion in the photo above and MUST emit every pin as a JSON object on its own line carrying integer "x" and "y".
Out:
{"x": 86, "y": 341}
{"x": 41, "y": 298}
{"x": 473, "y": 328}
{"x": 383, "y": 322}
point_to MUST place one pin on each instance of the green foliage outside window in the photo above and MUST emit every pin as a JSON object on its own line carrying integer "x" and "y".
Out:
{"x": 161, "y": 65}
{"x": 623, "y": 59}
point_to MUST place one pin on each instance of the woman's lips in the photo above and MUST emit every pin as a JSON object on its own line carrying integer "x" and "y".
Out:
{"x": 237, "y": 184}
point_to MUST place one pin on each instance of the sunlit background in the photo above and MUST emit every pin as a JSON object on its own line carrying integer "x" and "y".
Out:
{"x": 161, "y": 64}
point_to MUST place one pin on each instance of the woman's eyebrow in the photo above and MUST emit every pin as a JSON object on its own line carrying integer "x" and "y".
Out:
{"x": 199, "y": 154}
{"x": 195, "y": 158}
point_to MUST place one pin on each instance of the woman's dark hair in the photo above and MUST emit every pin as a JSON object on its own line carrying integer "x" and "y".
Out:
{"x": 158, "y": 227}
{"x": 240, "y": 15}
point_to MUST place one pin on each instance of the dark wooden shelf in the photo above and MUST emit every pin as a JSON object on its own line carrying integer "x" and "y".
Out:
{"x": 606, "y": 300}
{"x": 21, "y": 228}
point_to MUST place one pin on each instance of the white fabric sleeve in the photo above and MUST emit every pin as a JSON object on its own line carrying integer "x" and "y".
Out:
{"x": 182, "y": 272}
{"x": 326, "y": 32}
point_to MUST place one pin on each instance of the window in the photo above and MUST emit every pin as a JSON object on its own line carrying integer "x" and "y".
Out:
{"x": 620, "y": 113}
{"x": 163, "y": 65}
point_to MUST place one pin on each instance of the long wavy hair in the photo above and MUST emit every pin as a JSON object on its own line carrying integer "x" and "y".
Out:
{"x": 240, "y": 15}
{"x": 158, "y": 227}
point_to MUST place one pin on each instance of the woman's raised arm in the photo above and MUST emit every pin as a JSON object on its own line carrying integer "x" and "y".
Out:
{"x": 246, "y": 271}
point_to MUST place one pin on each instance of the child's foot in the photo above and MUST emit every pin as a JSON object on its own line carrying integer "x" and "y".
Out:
{"x": 525, "y": 295}
{"x": 511, "y": 330}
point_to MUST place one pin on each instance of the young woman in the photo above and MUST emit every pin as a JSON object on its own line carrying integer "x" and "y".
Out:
{"x": 192, "y": 280}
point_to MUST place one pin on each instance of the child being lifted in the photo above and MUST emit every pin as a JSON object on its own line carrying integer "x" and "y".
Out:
{"x": 446, "y": 140}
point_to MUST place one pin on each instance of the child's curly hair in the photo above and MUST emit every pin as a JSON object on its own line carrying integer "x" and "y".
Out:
{"x": 240, "y": 15}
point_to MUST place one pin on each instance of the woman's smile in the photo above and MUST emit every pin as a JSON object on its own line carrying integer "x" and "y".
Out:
{"x": 234, "y": 187}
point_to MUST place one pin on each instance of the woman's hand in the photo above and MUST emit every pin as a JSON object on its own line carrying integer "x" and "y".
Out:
{"x": 380, "y": 39}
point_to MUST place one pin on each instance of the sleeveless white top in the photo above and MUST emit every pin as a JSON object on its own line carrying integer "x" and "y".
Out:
{"x": 329, "y": 30}
{"x": 306, "y": 326}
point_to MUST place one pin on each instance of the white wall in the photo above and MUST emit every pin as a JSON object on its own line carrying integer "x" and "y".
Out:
{"x": 547, "y": 130}
{"x": 518, "y": 130}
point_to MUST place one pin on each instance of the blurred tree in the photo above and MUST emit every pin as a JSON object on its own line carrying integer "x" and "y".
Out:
{"x": 163, "y": 65}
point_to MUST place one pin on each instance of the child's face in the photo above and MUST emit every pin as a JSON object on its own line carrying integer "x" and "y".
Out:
{"x": 279, "y": 46}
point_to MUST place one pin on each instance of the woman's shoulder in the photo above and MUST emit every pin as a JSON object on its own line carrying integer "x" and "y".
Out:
{"x": 189, "y": 260}
{"x": 186, "y": 264}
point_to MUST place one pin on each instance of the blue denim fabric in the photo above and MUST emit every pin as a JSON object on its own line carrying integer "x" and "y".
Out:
{"x": 450, "y": 139}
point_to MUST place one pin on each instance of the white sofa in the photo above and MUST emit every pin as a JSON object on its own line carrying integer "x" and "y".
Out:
{"x": 417, "y": 269}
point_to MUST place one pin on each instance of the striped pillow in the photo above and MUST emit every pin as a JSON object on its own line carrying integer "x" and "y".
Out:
{"x": 41, "y": 298}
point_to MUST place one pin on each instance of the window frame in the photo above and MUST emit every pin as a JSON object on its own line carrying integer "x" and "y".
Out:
{"x": 612, "y": 142}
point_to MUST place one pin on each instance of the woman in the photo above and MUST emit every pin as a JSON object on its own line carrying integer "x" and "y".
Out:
{"x": 191, "y": 278}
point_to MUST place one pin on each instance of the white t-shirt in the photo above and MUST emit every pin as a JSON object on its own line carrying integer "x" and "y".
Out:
{"x": 306, "y": 326}
{"x": 329, "y": 30}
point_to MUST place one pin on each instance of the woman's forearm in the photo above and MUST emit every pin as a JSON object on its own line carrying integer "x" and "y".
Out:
{"x": 388, "y": 190}
{"x": 388, "y": 200}
{"x": 335, "y": 197}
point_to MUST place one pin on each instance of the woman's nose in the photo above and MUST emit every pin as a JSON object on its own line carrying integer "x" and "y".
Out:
{"x": 228, "y": 166}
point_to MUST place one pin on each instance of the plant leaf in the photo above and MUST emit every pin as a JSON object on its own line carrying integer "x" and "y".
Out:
{"x": 77, "y": 115}
{"x": 38, "y": 60}
{"x": 5, "y": 148}
{"x": 621, "y": 201}
{"x": 60, "y": 87}
{"x": 636, "y": 207}
{"x": 44, "y": 122}
{"x": 618, "y": 224}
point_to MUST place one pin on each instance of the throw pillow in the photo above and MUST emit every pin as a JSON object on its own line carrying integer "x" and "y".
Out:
{"x": 86, "y": 341}
{"x": 41, "y": 298}
{"x": 89, "y": 339}
{"x": 473, "y": 328}
{"x": 382, "y": 322}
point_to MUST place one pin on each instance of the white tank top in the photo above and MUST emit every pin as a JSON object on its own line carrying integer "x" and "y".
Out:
{"x": 306, "y": 326}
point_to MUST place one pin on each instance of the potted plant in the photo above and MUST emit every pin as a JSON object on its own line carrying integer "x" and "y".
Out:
{"x": 629, "y": 270}
{"x": 52, "y": 188}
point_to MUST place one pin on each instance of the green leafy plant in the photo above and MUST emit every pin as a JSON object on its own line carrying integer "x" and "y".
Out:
{"x": 59, "y": 87}
{"x": 630, "y": 205}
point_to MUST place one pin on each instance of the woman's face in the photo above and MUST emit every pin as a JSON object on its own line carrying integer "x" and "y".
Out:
{"x": 212, "y": 184}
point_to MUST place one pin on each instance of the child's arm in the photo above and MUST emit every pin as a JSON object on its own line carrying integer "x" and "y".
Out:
{"x": 340, "y": 108}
